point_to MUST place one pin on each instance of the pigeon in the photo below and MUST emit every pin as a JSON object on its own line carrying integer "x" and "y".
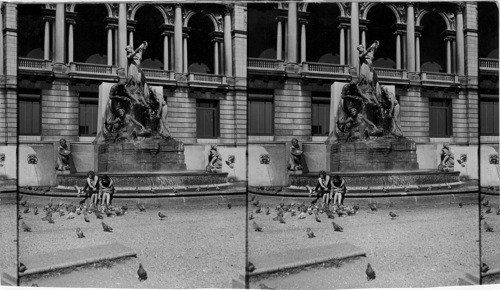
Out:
{"x": 302, "y": 215}
{"x": 25, "y": 227}
{"x": 337, "y": 228}
{"x": 498, "y": 210}
{"x": 118, "y": 212}
{"x": 487, "y": 227}
{"x": 86, "y": 218}
{"x": 35, "y": 211}
{"x": 484, "y": 268}
{"x": 268, "y": 211}
{"x": 98, "y": 215}
{"x": 486, "y": 203}
{"x": 481, "y": 217}
{"x": 152, "y": 190}
{"x": 22, "y": 268}
{"x": 384, "y": 189}
{"x": 264, "y": 286}
{"x": 161, "y": 215}
{"x": 250, "y": 216}
{"x": 174, "y": 190}
{"x": 250, "y": 267}
{"x": 34, "y": 285}
{"x": 429, "y": 188}
{"x": 50, "y": 219}
{"x": 460, "y": 204}
{"x": 197, "y": 189}
{"x": 228, "y": 206}
{"x": 370, "y": 274}
{"x": 258, "y": 210}
{"x": 281, "y": 220}
{"x": 449, "y": 186}
{"x": 292, "y": 212}
{"x": 124, "y": 207}
{"x": 256, "y": 227}
{"x": 253, "y": 198}
{"x": 106, "y": 228}
{"x": 23, "y": 203}
{"x": 71, "y": 216}
{"x": 373, "y": 206}
{"x": 46, "y": 190}
{"x": 393, "y": 215}
{"x": 217, "y": 188}
{"x": 26, "y": 210}
{"x": 61, "y": 213}
{"x": 407, "y": 189}
{"x": 256, "y": 203}
{"x": 356, "y": 207}
{"x": 79, "y": 233}
{"x": 141, "y": 207}
{"x": 329, "y": 214}
{"x": 483, "y": 197}
{"x": 317, "y": 218}
{"x": 488, "y": 210}
{"x": 310, "y": 233}
{"x": 142, "y": 273}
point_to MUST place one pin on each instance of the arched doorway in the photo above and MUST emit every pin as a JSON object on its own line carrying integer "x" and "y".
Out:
{"x": 322, "y": 35}
{"x": 432, "y": 44}
{"x": 149, "y": 28}
{"x": 200, "y": 45}
{"x": 30, "y": 32}
{"x": 90, "y": 37}
{"x": 381, "y": 27}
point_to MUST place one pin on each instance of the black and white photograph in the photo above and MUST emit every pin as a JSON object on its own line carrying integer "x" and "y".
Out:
{"x": 249, "y": 144}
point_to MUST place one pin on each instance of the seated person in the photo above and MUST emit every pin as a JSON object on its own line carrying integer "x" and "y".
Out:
{"x": 339, "y": 189}
{"x": 322, "y": 188}
{"x": 106, "y": 190}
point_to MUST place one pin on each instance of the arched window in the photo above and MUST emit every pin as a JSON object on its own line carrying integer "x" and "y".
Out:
{"x": 149, "y": 28}
{"x": 200, "y": 45}
{"x": 30, "y": 33}
{"x": 90, "y": 37}
{"x": 381, "y": 27}
{"x": 432, "y": 44}
{"x": 323, "y": 36}
{"x": 488, "y": 32}
{"x": 262, "y": 31}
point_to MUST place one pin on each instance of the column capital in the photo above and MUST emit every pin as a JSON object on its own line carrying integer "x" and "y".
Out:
{"x": 450, "y": 38}
{"x": 280, "y": 18}
{"x": 460, "y": 7}
{"x": 70, "y": 21}
{"x": 177, "y": 5}
{"x": 167, "y": 29}
{"x": 400, "y": 32}
{"x": 217, "y": 36}
{"x": 303, "y": 21}
{"x": 185, "y": 35}
{"x": 410, "y": 4}
{"x": 48, "y": 18}
{"x": 228, "y": 8}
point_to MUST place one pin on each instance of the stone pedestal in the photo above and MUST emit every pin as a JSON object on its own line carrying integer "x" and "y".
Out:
{"x": 381, "y": 154}
{"x": 152, "y": 155}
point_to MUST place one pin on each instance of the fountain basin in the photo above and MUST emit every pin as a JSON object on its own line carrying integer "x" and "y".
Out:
{"x": 387, "y": 179}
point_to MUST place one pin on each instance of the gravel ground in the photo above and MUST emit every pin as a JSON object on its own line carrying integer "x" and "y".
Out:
{"x": 202, "y": 246}
{"x": 426, "y": 246}
{"x": 490, "y": 241}
{"x": 8, "y": 237}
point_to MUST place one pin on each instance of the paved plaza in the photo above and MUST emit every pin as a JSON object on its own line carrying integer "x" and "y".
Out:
{"x": 195, "y": 246}
{"x": 427, "y": 245}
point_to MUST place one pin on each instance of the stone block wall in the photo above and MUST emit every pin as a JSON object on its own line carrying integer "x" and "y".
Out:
{"x": 60, "y": 110}
{"x": 181, "y": 115}
{"x": 414, "y": 114}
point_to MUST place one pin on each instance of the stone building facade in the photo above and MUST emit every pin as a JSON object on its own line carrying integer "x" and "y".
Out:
{"x": 428, "y": 52}
{"x": 68, "y": 53}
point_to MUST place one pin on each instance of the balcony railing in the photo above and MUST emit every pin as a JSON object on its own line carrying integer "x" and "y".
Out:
{"x": 91, "y": 68}
{"x": 488, "y": 64}
{"x": 439, "y": 77}
{"x": 158, "y": 74}
{"x": 391, "y": 73}
{"x": 265, "y": 64}
{"x": 207, "y": 78}
{"x": 327, "y": 68}
{"x": 34, "y": 64}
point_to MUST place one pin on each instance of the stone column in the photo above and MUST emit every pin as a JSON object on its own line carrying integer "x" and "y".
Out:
{"x": 185, "y": 54}
{"x": 2, "y": 70}
{"x": 216, "y": 57}
{"x": 70, "y": 42}
{"x": 60, "y": 36}
{"x": 403, "y": 51}
{"x": 165, "y": 51}
{"x": 131, "y": 37}
{"x": 53, "y": 38}
{"x": 398, "y": 50}
{"x": 279, "y": 40}
{"x": 410, "y": 38}
{"x": 354, "y": 36}
{"x": 303, "y": 42}
{"x": 228, "y": 47}
{"x": 292, "y": 32}
{"x": 363, "y": 37}
{"x": 110, "y": 45}
{"x": 348, "y": 45}
{"x": 342, "y": 45}
{"x": 122, "y": 35}
{"x": 46, "y": 39}
{"x": 448, "y": 55}
{"x": 460, "y": 42}
{"x": 417, "y": 52}
{"x": 178, "y": 39}
{"x": 115, "y": 32}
